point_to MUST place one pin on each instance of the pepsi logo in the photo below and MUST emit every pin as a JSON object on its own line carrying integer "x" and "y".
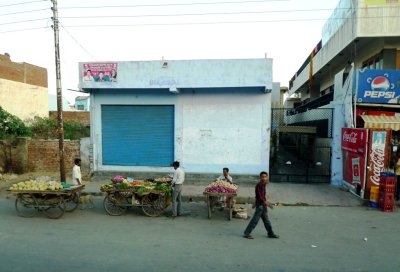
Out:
{"x": 380, "y": 83}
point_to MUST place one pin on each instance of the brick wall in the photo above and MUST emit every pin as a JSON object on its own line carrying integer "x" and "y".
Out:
{"x": 22, "y": 72}
{"x": 76, "y": 116}
{"x": 43, "y": 155}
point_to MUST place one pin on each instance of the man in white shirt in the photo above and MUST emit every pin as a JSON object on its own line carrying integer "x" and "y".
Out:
{"x": 76, "y": 173}
{"x": 225, "y": 175}
{"x": 177, "y": 181}
{"x": 222, "y": 201}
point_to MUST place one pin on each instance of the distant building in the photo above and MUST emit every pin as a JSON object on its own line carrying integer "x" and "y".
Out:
{"x": 361, "y": 40}
{"x": 53, "y": 103}
{"x": 82, "y": 103}
{"x": 23, "y": 88}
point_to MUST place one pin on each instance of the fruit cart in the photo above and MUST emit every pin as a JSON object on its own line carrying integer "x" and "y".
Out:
{"x": 52, "y": 202}
{"x": 152, "y": 203}
{"x": 229, "y": 205}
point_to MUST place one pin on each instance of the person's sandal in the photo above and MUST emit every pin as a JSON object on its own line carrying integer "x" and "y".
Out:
{"x": 248, "y": 236}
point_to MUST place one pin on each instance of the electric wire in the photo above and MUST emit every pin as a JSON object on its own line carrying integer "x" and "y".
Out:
{"x": 24, "y": 29}
{"x": 21, "y": 12}
{"x": 77, "y": 42}
{"x": 191, "y": 14}
{"x": 22, "y": 3}
{"x": 220, "y": 22}
{"x": 171, "y": 4}
{"x": 24, "y": 21}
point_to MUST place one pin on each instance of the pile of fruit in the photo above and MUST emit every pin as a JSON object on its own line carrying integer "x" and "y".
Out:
{"x": 33, "y": 185}
{"x": 118, "y": 179}
{"x": 139, "y": 187}
{"x": 163, "y": 180}
{"x": 221, "y": 187}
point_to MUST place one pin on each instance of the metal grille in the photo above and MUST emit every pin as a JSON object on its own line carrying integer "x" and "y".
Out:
{"x": 300, "y": 145}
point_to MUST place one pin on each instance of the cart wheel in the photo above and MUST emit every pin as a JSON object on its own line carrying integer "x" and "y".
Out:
{"x": 55, "y": 206}
{"x": 26, "y": 204}
{"x": 153, "y": 205}
{"x": 71, "y": 202}
{"x": 111, "y": 206}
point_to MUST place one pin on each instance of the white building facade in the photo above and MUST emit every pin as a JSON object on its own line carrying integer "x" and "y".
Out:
{"x": 207, "y": 114}
{"x": 361, "y": 34}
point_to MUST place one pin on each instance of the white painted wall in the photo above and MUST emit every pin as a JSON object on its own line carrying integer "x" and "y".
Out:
{"x": 214, "y": 127}
{"x": 211, "y": 130}
{"x": 225, "y": 131}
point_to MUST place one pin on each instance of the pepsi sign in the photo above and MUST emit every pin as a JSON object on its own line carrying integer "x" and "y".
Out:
{"x": 378, "y": 86}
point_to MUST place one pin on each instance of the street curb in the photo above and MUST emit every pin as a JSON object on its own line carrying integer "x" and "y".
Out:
{"x": 244, "y": 200}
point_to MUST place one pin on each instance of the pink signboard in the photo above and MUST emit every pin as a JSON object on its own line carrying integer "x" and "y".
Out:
{"x": 99, "y": 72}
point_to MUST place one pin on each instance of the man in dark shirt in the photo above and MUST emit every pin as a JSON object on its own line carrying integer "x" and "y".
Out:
{"x": 261, "y": 209}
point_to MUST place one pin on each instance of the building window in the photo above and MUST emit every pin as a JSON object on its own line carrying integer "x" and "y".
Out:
{"x": 375, "y": 62}
{"x": 80, "y": 107}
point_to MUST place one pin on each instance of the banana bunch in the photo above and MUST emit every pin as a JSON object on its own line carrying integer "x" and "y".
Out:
{"x": 106, "y": 187}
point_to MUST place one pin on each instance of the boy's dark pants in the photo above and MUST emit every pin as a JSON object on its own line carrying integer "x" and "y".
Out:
{"x": 260, "y": 212}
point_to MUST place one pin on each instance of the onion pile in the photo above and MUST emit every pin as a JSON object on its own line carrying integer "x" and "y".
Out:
{"x": 221, "y": 187}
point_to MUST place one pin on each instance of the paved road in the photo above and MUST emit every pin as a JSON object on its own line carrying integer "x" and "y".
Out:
{"x": 90, "y": 240}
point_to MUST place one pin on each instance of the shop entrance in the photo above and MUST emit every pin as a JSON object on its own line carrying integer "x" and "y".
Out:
{"x": 300, "y": 146}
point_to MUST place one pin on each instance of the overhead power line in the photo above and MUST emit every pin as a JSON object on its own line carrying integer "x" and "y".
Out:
{"x": 221, "y": 22}
{"x": 22, "y": 3}
{"x": 192, "y": 14}
{"x": 25, "y": 21}
{"x": 172, "y": 4}
{"x": 21, "y": 12}
{"x": 24, "y": 29}
{"x": 77, "y": 42}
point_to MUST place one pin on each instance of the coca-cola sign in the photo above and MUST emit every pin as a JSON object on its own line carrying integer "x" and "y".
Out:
{"x": 350, "y": 137}
{"x": 354, "y": 139}
{"x": 378, "y": 157}
{"x": 376, "y": 164}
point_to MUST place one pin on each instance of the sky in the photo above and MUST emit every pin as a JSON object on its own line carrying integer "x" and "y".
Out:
{"x": 137, "y": 30}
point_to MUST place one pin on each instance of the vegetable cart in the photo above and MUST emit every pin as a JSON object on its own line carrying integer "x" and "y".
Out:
{"x": 229, "y": 196}
{"x": 53, "y": 202}
{"x": 152, "y": 203}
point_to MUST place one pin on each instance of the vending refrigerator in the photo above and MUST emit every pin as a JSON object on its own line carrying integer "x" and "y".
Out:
{"x": 354, "y": 151}
{"x": 366, "y": 153}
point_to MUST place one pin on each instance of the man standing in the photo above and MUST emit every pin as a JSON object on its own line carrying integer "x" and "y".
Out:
{"x": 177, "y": 181}
{"x": 222, "y": 201}
{"x": 261, "y": 209}
{"x": 225, "y": 175}
{"x": 76, "y": 173}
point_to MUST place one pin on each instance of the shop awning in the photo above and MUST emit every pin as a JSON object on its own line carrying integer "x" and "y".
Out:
{"x": 381, "y": 121}
{"x": 298, "y": 129}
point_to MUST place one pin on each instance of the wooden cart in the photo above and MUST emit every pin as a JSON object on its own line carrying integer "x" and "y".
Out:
{"x": 53, "y": 202}
{"x": 152, "y": 203}
{"x": 229, "y": 206}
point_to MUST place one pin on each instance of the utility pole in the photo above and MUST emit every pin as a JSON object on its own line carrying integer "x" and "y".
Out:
{"x": 60, "y": 129}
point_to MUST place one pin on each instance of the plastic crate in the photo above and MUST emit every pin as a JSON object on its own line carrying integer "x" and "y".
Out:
{"x": 387, "y": 208}
{"x": 373, "y": 204}
{"x": 374, "y": 194}
{"x": 387, "y": 188}
{"x": 387, "y": 178}
{"x": 386, "y": 201}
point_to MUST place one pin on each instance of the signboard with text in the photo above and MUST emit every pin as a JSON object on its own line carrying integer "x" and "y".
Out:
{"x": 378, "y": 86}
{"x": 99, "y": 72}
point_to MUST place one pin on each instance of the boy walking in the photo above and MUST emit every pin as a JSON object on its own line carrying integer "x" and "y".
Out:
{"x": 261, "y": 209}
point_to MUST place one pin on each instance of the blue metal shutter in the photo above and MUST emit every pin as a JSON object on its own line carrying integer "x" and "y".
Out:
{"x": 138, "y": 135}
